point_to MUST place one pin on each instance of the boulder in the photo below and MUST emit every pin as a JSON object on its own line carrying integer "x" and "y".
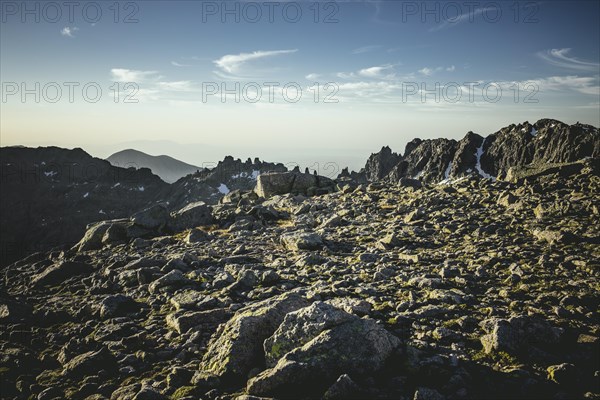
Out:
{"x": 325, "y": 343}
{"x": 237, "y": 346}
{"x": 173, "y": 279}
{"x": 191, "y": 216}
{"x": 89, "y": 363}
{"x": 302, "y": 241}
{"x": 117, "y": 305}
{"x": 181, "y": 323}
{"x": 271, "y": 184}
{"x": 61, "y": 271}
{"x": 516, "y": 334}
{"x": 155, "y": 217}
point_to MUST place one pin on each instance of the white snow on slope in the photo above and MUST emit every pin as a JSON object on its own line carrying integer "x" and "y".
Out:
{"x": 478, "y": 154}
{"x": 533, "y": 132}
{"x": 253, "y": 175}
{"x": 447, "y": 172}
{"x": 223, "y": 188}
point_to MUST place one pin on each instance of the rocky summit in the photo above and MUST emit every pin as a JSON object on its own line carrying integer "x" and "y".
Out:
{"x": 411, "y": 286}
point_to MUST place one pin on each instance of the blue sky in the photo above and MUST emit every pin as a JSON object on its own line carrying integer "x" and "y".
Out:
{"x": 375, "y": 55}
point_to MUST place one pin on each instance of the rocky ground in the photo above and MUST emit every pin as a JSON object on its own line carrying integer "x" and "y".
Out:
{"x": 472, "y": 289}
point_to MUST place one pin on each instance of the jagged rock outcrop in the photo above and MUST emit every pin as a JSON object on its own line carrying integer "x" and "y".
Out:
{"x": 435, "y": 160}
{"x": 380, "y": 164}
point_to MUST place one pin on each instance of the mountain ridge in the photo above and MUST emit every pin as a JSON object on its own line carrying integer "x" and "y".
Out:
{"x": 169, "y": 169}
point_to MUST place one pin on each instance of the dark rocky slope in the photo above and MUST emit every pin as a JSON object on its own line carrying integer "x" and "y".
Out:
{"x": 50, "y": 194}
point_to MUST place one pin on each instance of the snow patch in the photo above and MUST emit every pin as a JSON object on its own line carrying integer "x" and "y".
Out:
{"x": 141, "y": 188}
{"x": 86, "y": 195}
{"x": 478, "y": 154}
{"x": 418, "y": 175}
{"x": 116, "y": 184}
{"x": 252, "y": 175}
{"x": 50, "y": 173}
{"x": 447, "y": 172}
{"x": 533, "y": 132}
{"x": 223, "y": 188}
{"x": 101, "y": 212}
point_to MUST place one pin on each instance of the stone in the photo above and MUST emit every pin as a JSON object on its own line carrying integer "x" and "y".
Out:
{"x": 89, "y": 363}
{"x": 409, "y": 182}
{"x": 181, "y": 323}
{"x": 343, "y": 388}
{"x": 296, "y": 241}
{"x": 330, "y": 343}
{"x": 300, "y": 327}
{"x": 563, "y": 374}
{"x": 171, "y": 280}
{"x": 196, "y": 236}
{"x": 424, "y": 393}
{"x": 191, "y": 216}
{"x": 155, "y": 217}
{"x": 61, "y": 271}
{"x": 117, "y": 305}
{"x": 518, "y": 333}
{"x": 236, "y": 347}
{"x": 271, "y": 184}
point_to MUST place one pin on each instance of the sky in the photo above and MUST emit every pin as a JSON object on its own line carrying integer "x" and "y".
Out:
{"x": 320, "y": 84}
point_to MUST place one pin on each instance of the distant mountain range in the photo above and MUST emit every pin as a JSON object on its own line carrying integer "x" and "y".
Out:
{"x": 167, "y": 168}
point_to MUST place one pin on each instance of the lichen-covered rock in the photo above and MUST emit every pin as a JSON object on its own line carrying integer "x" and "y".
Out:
{"x": 302, "y": 241}
{"x": 517, "y": 334}
{"x": 328, "y": 342}
{"x": 236, "y": 347}
{"x": 301, "y": 326}
{"x": 191, "y": 216}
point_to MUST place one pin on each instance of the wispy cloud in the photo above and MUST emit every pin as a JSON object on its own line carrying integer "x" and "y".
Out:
{"x": 312, "y": 77}
{"x": 427, "y": 71}
{"x": 176, "y": 64}
{"x": 460, "y": 19}
{"x": 379, "y": 72}
{"x": 560, "y": 58}
{"x": 69, "y": 31}
{"x": 177, "y": 86}
{"x": 366, "y": 49}
{"x": 232, "y": 63}
{"x": 130, "y": 75}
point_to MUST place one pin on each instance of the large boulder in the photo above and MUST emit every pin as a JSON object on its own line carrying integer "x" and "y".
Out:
{"x": 191, "y": 216}
{"x": 237, "y": 346}
{"x": 302, "y": 241}
{"x": 315, "y": 345}
{"x": 517, "y": 334}
{"x": 56, "y": 273}
{"x": 278, "y": 183}
{"x": 155, "y": 217}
